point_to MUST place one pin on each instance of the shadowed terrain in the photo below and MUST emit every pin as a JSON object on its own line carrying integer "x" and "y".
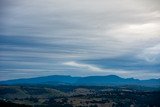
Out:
{"x": 78, "y": 96}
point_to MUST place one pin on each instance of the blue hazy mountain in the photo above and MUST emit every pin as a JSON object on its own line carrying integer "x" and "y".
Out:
{"x": 110, "y": 80}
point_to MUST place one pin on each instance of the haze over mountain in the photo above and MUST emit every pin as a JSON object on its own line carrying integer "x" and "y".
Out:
{"x": 110, "y": 80}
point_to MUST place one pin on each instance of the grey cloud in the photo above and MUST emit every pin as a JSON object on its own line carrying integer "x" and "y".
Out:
{"x": 53, "y": 31}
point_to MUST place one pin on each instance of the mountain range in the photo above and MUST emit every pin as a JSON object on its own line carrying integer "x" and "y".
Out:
{"x": 109, "y": 80}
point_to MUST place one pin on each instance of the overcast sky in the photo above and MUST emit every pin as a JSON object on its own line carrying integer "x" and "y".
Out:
{"x": 79, "y": 38}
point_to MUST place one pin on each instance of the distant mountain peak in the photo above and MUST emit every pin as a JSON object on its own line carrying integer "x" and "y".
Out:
{"x": 89, "y": 80}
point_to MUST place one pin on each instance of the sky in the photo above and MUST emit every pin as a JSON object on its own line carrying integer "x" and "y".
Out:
{"x": 79, "y": 38}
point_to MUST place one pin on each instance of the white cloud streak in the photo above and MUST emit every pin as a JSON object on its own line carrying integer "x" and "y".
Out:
{"x": 85, "y": 66}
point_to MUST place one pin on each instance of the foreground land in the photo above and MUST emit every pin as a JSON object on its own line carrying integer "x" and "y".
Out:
{"x": 78, "y": 96}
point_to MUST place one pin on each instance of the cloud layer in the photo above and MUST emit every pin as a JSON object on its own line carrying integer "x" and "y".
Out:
{"x": 79, "y": 37}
